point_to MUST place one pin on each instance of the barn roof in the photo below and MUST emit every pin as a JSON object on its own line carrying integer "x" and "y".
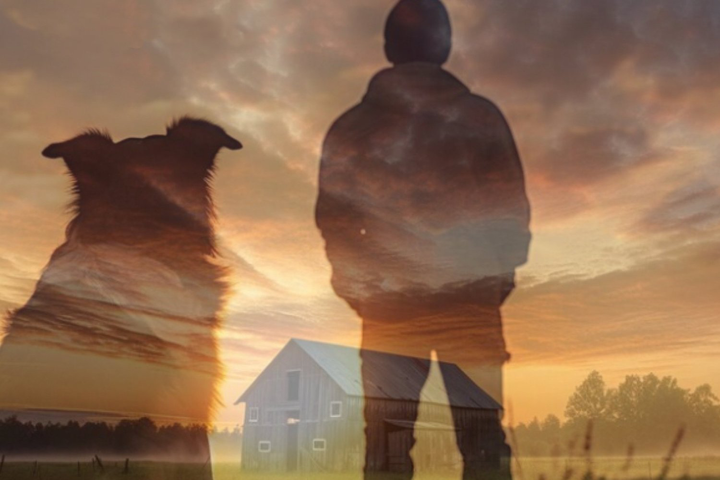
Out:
{"x": 392, "y": 376}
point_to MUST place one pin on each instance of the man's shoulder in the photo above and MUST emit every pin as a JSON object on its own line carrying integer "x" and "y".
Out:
{"x": 350, "y": 115}
{"x": 483, "y": 102}
{"x": 482, "y": 109}
{"x": 358, "y": 119}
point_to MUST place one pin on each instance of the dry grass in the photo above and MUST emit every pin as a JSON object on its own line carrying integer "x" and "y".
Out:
{"x": 571, "y": 465}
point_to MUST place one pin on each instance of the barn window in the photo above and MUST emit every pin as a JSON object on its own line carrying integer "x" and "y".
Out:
{"x": 335, "y": 409}
{"x": 264, "y": 446}
{"x": 254, "y": 415}
{"x": 293, "y": 384}
{"x": 319, "y": 444}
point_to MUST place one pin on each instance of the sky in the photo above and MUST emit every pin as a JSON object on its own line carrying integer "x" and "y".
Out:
{"x": 612, "y": 105}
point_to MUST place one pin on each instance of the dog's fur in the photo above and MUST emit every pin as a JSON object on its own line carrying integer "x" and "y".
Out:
{"x": 124, "y": 316}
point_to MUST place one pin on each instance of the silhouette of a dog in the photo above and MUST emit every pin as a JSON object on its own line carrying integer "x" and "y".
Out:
{"x": 125, "y": 314}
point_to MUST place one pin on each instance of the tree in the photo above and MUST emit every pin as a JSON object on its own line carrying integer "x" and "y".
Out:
{"x": 703, "y": 402}
{"x": 639, "y": 402}
{"x": 643, "y": 411}
{"x": 589, "y": 401}
{"x": 551, "y": 427}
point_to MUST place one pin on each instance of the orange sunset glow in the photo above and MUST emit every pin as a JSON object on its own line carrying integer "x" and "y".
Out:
{"x": 614, "y": 107}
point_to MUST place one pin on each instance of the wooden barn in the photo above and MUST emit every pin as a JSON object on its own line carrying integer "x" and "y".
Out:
{"x": 305, "y": 410}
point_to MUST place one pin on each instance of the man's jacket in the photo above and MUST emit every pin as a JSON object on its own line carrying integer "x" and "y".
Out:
{"x": 422, "y": 195}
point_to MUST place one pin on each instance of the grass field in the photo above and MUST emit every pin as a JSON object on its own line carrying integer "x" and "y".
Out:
{"x": 617, "y": 468}
{"x": 645, "y": 468}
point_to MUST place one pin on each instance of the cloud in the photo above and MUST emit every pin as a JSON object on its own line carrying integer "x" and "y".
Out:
{"x": 245, "y": 270}
{"x": 612, "y": 104}
{"x": 561, "y": 53}
{"x": 585, "y": 156}
{"x": 690, "y": 211}
{"x": 82, "y": 49}
{"x": 663, "y": 304}
{"x": 594, "y": 91}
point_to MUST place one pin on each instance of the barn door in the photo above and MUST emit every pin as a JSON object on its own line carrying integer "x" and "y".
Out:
{"x": 293, "y": 422}
{"x": 398, "y": 450}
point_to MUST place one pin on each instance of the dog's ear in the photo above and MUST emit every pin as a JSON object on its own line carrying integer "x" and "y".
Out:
{"x": 231, "y": 143}
{"x": 55, "y": 150}
{"x": 86, "y": 143}
{"x": 202, "y": 133}
{"x": 87, "y": 157}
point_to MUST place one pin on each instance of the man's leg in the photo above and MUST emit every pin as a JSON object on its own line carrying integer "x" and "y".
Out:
{"x": 480, "y": 436}
{"x": 478, "y": 349}
{"x": 387, "y": 446}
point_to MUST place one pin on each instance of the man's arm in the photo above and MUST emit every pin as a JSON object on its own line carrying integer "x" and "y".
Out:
{"x": 499, "y": 173}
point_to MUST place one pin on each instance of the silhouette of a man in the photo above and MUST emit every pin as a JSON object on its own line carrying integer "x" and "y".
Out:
{"x": 423, "y": 209}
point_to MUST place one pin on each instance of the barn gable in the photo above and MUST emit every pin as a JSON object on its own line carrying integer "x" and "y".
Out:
{"x": 392, "y": 377}
{"x": 291, "y": 349}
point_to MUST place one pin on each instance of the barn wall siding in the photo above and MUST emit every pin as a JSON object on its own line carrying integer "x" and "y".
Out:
{"x": 317, "y": 390}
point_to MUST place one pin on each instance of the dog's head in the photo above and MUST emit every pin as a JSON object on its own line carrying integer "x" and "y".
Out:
{"x": 144, "y": 190}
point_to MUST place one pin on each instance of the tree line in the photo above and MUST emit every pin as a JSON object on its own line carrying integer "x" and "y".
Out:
{"x": 642, "y": 415}
{"x": 127, "y": 438}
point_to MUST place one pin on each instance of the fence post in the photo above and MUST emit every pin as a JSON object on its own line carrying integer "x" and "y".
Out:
{"x": 100, "y": 465}
{"x": 127, "y": 466}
